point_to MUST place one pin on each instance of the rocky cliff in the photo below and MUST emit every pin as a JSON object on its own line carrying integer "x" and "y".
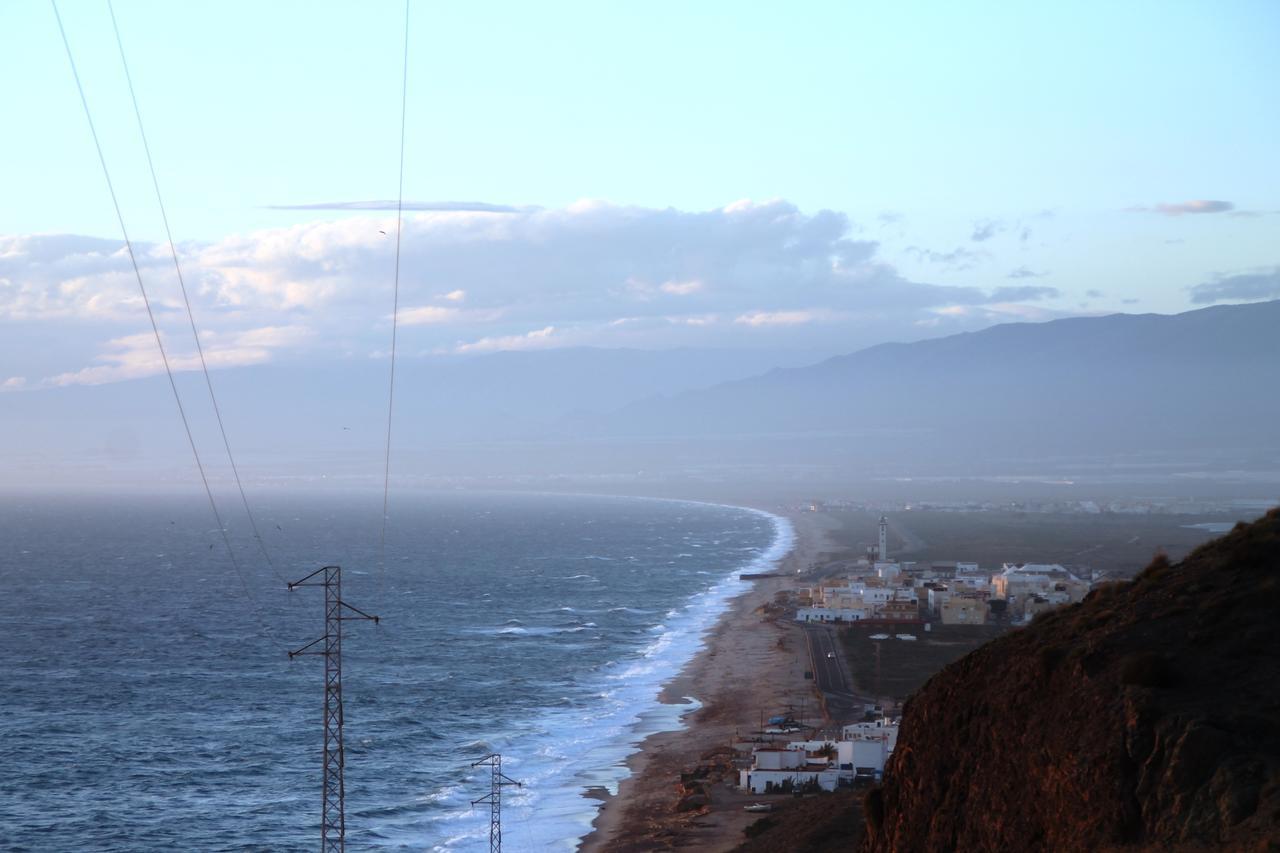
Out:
{"x": 1146, "y": 717}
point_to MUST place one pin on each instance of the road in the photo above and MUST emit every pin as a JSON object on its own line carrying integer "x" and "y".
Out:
{"x": 832, "y": 676}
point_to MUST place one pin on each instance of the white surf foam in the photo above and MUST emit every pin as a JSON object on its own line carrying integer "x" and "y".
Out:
{"x": 564, "y": 752}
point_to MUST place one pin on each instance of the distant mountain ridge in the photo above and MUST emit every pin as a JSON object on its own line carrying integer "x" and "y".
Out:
{"x": 1116, "y": 383}
{"x": 311, "y": 416}
{"x": 1005, "y": 398}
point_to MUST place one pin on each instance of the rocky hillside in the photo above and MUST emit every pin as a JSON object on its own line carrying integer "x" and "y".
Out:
{"x": 1147, "y": 717}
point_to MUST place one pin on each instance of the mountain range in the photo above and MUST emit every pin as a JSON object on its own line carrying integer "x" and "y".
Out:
{"x": 1200, "y": 382}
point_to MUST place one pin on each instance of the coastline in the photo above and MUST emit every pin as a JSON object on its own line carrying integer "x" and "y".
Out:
{"x": 750, "y": 664}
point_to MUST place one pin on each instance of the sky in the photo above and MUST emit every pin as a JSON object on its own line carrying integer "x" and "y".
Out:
{"x": 819, "y": 176}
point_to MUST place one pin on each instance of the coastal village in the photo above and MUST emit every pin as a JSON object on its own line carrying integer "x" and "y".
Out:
{"x": 901, "y": 600}
{"x": 796, "y": 704}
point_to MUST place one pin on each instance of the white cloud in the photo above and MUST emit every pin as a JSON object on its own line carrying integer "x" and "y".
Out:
{"x": 137, "y": 356}
{"x": 694, "y": 319}
{"x": 681, "y": 288}
{"x": 779, "y": 318}
{"x": 538, "y": 339}
{"x": 427, "y": 314}
{"x": 574, "y": 270}
{"x": 274, "y": 336}
{"x": 13, "y": 383}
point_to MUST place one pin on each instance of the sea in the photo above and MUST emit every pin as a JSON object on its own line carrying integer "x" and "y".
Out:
{"x": 148, "y": 701}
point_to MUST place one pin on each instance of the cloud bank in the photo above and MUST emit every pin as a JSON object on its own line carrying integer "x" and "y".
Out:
{"x": 476, "y": 279}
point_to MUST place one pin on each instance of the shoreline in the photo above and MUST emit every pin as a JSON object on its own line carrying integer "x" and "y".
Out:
{"x": 750, "y": 664}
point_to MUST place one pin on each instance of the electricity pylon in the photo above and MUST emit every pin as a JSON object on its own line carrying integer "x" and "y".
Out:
{"x": 333, "y": 822}
{"x": 497, "y": 781}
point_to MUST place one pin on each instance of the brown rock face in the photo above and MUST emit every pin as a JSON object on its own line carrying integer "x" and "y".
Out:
{"x": 1146, "y": 717}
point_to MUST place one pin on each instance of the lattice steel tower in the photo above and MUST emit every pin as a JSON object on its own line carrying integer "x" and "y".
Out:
{"x": 333, "y": 823}
{"x": 497, "y": 781}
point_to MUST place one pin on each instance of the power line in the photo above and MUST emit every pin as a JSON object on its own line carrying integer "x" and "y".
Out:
{"x": 146, "y": 301}
{"x": 395, "y": 309}
{"x": 177, "y": 267}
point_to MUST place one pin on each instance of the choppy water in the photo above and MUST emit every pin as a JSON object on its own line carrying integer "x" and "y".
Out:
{"x": 146, "y": 705}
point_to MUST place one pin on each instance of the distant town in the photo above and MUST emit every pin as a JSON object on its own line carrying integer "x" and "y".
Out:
{"x": 900, "y": 597}
{"x": 1125, "y": 506}
{"x": 899, "y": 593}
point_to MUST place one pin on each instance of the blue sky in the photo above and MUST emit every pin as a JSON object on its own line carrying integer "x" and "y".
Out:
{"x": 977, "y": 146}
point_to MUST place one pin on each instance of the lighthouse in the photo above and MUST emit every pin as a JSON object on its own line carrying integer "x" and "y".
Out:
{"x": 884, "y": 539}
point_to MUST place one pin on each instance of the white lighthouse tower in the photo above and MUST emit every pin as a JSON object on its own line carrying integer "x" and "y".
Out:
{"x": 884, "y": 539}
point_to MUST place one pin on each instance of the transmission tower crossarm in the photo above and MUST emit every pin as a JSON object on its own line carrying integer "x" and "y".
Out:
{"x": 303, "y": 650}
{"x": 307, "y": 580}
{"x": 360, "y": 614}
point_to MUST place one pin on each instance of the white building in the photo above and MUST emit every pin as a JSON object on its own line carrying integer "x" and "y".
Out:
{"x": 776, "y": 770}
{"x": 830, "y": 614}
{"x": 1040, "y": 583}
{"x": 887, "y": 570}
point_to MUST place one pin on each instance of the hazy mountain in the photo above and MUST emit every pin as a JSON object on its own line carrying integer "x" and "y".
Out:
{"x": 304, "y": 417}
{"x": 1006, "y": 398}
{"x": 1120, "y": 383}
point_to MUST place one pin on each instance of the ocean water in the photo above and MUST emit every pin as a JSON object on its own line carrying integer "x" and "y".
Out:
{"x": 147, "y": 701}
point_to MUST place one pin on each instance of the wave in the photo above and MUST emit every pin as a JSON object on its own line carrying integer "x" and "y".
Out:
{"x": 535, "y": 631}
{"x": 570, "y": 748}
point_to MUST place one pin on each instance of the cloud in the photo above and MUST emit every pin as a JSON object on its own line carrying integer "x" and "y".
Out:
{"x": 137, "y": 356}
{"x": 426, "y": 314}
{"x": 13, "y": 383}
{"x": 273, "y": 336}
{"x": 392, "y": 204}
{"x": 681, "y": 288}
{"x": 1025, "y": 272}
{"x": 779, "y": 318}
{"x": 958, "y": 259}
{"x": 470, "y": 279}
{"x": 993, "y": 313}
{"x": 1261, "y": 284}
{"x": 1183, "y": 207}
{"x": 985, "y": 230}
{"x": 1027, "y": 293}
{"x": 538, "y": 339}
{"x": 1094, "y": 294}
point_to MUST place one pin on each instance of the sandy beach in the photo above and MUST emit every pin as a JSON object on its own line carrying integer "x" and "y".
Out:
{"x": 752, "y": 665}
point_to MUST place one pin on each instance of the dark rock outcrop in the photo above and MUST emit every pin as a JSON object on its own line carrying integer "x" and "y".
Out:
{"x": 1146, "y": 717}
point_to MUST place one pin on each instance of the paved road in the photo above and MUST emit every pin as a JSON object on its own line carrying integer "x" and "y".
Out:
{"x": 832, "y": 676}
